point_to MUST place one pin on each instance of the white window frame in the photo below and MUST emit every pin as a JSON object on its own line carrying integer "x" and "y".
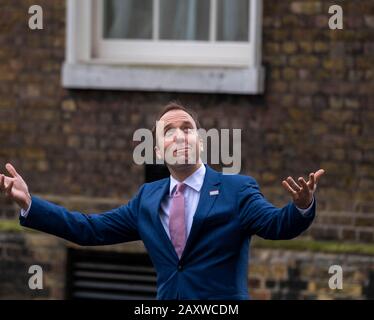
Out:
{"x": 193, "y": 66}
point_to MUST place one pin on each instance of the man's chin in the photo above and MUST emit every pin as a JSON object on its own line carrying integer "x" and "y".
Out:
{"x": 182, "y": 162}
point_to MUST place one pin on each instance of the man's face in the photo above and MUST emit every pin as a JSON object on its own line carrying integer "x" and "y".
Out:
{"x": 177, "y": 140}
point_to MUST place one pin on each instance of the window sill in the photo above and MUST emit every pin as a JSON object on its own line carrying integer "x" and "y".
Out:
{"x": 158, "y": 78}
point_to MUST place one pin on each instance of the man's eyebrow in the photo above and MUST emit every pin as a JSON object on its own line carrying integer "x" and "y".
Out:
{"x": 183, "y": 123}
{"x": 167, "y": 127}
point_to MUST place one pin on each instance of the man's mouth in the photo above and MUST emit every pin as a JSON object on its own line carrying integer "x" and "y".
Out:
{"x": 181, "y": 151}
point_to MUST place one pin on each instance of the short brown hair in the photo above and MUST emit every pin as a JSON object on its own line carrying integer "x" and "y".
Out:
{"x": 175, "y": 105}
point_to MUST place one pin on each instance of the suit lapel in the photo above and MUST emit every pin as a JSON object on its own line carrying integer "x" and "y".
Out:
{"x": 211, "y": 183}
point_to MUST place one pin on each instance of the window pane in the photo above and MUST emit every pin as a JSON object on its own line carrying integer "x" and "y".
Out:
{"x": 184, "y": 19}
{"x": 233, "y": 20}
{"x": 128, "y": 19}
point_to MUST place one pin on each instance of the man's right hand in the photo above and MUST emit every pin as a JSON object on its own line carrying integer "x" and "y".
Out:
{"x": 15, "y": 188}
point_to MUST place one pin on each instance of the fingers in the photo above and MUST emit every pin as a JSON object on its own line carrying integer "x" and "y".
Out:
{"x": 311, "y": 182}
{"x": 11, "y": 170}
{"x": 302, "y": 191}
{"x": 288, "y": 188}
{"x": 318, "y": 174}
{"x": 293, "y": 184}
{"x": 2, "y": 182}
{"x": 8, "y": 189}
{"x": 304, "y": 185}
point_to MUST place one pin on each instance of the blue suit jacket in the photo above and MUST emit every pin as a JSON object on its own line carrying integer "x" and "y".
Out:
{"x": 214, "y": 264}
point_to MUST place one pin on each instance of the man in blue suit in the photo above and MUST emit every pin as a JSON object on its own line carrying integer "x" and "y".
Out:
{"x": 196, "y": 225}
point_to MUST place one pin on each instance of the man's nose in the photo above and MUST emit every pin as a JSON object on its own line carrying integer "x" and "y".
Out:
{"x": 179, "y": 135}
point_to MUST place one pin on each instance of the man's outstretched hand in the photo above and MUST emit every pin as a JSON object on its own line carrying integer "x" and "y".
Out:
{"x": 15, "y": 188}
{"x": 302, "y": 192}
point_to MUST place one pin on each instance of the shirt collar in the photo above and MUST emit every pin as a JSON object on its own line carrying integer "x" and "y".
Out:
{"x": 194, "y": 181}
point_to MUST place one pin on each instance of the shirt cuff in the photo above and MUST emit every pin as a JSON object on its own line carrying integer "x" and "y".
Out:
{"x": 24, "y": 213}
{"x": 305, "y": 212}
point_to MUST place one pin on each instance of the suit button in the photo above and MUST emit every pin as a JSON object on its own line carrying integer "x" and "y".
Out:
{"x": 180, "y": 267}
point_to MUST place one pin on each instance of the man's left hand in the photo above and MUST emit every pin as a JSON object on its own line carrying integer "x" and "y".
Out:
{"x": 302, "y": 192}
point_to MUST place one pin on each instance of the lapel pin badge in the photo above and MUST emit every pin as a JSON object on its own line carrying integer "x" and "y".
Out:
{"x": 213, "y": 192}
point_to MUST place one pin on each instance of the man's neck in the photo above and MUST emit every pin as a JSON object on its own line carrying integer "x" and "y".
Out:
{"x": 183, "y": 173}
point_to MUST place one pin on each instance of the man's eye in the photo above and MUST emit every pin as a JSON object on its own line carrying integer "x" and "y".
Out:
{"x": 169, "y": 132}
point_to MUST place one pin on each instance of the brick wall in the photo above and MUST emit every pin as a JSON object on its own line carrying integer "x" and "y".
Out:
{"x": 280, "y": 274}
{"x": 317, "y": 111}
{"x": 273, "y": 274}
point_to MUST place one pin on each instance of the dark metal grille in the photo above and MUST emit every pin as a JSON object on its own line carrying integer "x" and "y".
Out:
{"x": 93, "y": 274}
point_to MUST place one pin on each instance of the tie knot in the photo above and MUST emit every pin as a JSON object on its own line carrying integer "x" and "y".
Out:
{"x": 180, "y": 188}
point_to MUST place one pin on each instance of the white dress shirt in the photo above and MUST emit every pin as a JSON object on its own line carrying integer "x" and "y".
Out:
{"x": 191, "y": 198}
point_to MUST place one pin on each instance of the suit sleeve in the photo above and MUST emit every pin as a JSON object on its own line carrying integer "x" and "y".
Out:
{"x": 115, "y": 226}
{"x": 260, "y": 217}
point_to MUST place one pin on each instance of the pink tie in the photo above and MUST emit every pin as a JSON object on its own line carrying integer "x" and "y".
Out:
{"x": 177, "y": 224}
